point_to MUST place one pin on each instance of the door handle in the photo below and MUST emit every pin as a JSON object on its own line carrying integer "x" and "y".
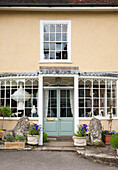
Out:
{"x": 59, "y": 118}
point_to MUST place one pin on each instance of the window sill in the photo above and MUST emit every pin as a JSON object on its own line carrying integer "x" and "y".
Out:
{"x": 41, "y": 62}
{"x": 101, "y": 118}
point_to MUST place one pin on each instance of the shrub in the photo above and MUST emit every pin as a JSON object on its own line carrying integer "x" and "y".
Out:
{"x": 20, "y": 138}
{"x": 45, "y": 137}
{"x": 114, "y": 141}
{"x": 10, "y": 138}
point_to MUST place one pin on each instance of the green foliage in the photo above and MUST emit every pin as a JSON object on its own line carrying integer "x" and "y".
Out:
{"x": 114, "y": 141}
{"x": 20, "y": 138}
{"x": 10, "y": 138}
{"x": 6, "y": 111}
{"x": 45, "y": 137}
{"x": 95, "y": 161}
{"x": 33, "y": 129}
{"x": 82, "y": 129}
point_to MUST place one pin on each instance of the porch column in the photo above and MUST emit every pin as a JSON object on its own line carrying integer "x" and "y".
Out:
{"x": 40, "y": 107}
{"x": 76, "y": 121}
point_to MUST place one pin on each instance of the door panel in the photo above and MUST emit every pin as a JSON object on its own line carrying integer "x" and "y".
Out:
{"x": 58, "y": 112}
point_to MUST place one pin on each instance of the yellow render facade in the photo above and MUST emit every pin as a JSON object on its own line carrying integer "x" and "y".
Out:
{"x": 94, "y": 40}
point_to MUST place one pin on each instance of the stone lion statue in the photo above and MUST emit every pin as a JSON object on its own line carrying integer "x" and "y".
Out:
{"x": 95, "y": 129}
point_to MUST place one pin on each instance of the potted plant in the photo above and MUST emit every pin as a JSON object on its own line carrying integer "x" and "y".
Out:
{"x": 80, "y": 137}
{"x": 33, "y": 134}
{"x": 114, "y": 142}
{"x": 106, "y": 134}
{"x": 15, "y": 142}
{"x": 5, "y": 112}
{"x": 96, "y": 143}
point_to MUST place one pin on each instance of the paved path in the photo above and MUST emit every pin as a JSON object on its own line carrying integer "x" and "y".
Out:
{"x": 40, "y": 160}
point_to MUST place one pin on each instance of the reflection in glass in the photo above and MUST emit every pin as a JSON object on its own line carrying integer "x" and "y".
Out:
{"x": 52, "y": 36}
{"x": 52, "y": 46}
{"x": 64, "y": 37}
{"x": 58, "y": 28}
{"x": 52, "y": 28}
{"x": 46, "y": 28}
{"x": 58, "y": 36}
{"x": 64, "y": 55}
{"x": 64, "y": 46}
{"x": 46, "y": 36}
{"x": 46, "y": 54}
{"x": 52, "y": 55}
{"x": 64, "y": 28}
{"x": 58, "y": 54}
{"x": 46, "y": 46}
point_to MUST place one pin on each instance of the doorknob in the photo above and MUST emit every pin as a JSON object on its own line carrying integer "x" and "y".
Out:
{"x": 59, "y": 118}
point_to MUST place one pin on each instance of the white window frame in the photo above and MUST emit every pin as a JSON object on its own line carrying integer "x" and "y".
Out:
{"x": 42, "y": 22}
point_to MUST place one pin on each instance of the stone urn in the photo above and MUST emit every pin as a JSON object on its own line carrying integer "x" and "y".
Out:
{"x": 80, "y": 141}
{"x": 33, "y": 139}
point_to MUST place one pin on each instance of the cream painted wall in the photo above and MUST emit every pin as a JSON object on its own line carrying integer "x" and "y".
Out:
{"x": 94, "y": 40}
{"x": 10, "y": 124}
{"x": 104, "y": 124}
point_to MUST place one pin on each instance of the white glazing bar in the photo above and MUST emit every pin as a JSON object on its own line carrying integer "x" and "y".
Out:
{"x": 40, "y": 106}
{"x": 99, "y": 95}
{"x": 17, "y": 98}
{"x": 76, "y": 122}
{"x": 105, "y": 98}
{"x": 92, "y": 95}
{"x": 117, "y": 98}
{"x": 78, "y": 98}
{"x": 24, "y": 98}
{"x": 10, "y": 92}
{"x": 5, "y": 94}
{"x": 84, "y": 100}
{"x": 32, "y": 98}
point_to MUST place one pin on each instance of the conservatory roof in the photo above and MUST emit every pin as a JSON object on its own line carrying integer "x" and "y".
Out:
{"x": 98, "y": 74}
{"x": 49, "y": 3}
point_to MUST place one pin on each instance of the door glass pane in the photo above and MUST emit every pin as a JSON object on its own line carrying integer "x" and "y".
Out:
{"x": 50, "y": 103}
{"x": 66, "y": 103}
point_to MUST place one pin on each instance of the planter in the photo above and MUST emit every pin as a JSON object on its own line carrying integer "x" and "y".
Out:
{"x": 106, "y": 139}
{"x": 95, "y": 146}
{"x": 79, "y": 141}
{"x": 14, "y": 145}
{"x": 2, "y": 132}
{"x": 33, "y": 140}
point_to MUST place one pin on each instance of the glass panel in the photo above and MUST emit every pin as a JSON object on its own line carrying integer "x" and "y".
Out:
{"x": 46, "y": 36}
{"x": 52, "y": 36}
{"x": 46, "y": 28}
{"x": 109, "y": 84}
{"x": 102, "y": 84}
{"x": 58, "y": 28}
{"x": 53, "y": 102}
{"x": 102, "y": 93}
{"x": 96, "y": 111}
{"x": 58, "y": 36}
{"x": 88, "y": 112}
{"x": 52, "y": 55}
{"x": 108, "y": 93}
{"x": 96, "y": 92}
{"x": 88, "y": 84}
{"x": 96, "y": 103}
{"x": 28, "y": 84}
{"x": 58, "y": 46}
{"x": 52, "y": 28}
{"x": 102, "y": 111}
{"x": 87, "y": 92}
{"x": 81, "y": 102}
{"x": 46, "y": 54}
{"x": 64, "y": 46}
{"x": 69, "y": 113}
{"x": 102, "y": 102}
{"x": 62, "y": 112}
{"x": 58, "y": 54}
{"x": 63, "y": 93}
{"x": 46, "y": 46}
{"x": 53, "y": 112}
{"x": 64, "y": 28}
{"x": 7, "y": 93}
{"x": 88, "y": 103}
{"x": 81, "y": 112}
{"x": 64, "y": 37}
{"x": 81, "y": 92}
{"x": 63, "y": 102}
{"x": 81, "y": 84}
{"x": 95, "y": 84}
{"x": 52, "y": 46}
{"x": 64, "y": 55}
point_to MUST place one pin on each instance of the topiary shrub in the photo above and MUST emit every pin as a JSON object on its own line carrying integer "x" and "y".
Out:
{"x": 114, "y": 141}
{"x": 45, "y": 138}
{"x": 6, "y": 112}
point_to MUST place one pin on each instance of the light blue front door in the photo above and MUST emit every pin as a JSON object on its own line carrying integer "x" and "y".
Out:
{"x": 58, "y": 112}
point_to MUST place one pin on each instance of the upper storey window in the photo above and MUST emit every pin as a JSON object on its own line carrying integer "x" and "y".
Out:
{"x": 55, "y": 41}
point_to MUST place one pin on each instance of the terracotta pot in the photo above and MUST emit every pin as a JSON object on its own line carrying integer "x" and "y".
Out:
{"x": 107, "y": 139}
{"x": 33, "y": 140}
{"x": 79, "y": 141}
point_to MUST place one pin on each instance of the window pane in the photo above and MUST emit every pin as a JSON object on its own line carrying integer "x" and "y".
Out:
{"x": 64, "y": 28}
{"x": 52, "y": 36}
{"x": 102, "y": 92}
{"x": 46, "y": 36}
{"x": 96, "y": 111}
{"x": 52, "y": 28}
{"x": 46, "y": 46}
{"x": 64, "y": 46}
{"x": 58, "y": 46}
{"x": 64, "y": 55}
{"x": 69, "y": 113}
{"x": 81, "y": 92}
{"x": 81, "y": 102}
{"x": 88, "y": 112}
{"x": 63, "y": 112}
{"x": 58, "y": 54}
{"x": 81, "y": 112}
{"x": 46, "y": 28}
{"x": 58, "y": 28}
{"x": 58, "y": 36}
{"x": 46, "y": 54}
{"x": 52, "y": 55}
{"x": 64, "y": 37}
{"x": 52, "y": 46}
